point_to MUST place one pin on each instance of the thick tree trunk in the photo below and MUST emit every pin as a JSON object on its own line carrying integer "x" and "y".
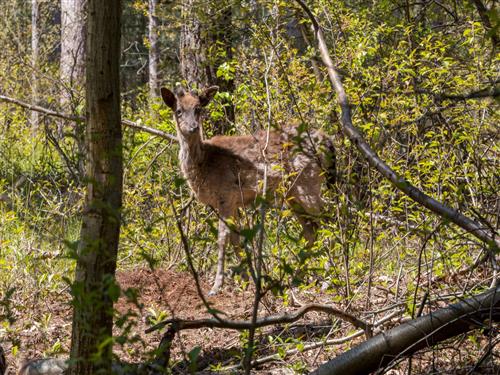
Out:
{"x": 91, "y": 347}
{"x": 35, "y": 38}
{"x": 419, "y": 333}
{"x": 153, "y": 49}
{"x": 192, "y": 57}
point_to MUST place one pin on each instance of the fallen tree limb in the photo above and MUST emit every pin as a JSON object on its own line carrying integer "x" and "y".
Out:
{"x": 79, "y": 119}
{"x": 426, "y": 331}
{"x": 479, "y": 231}
{"x": 314, "y": 345}
{"x": 180, "y": 324}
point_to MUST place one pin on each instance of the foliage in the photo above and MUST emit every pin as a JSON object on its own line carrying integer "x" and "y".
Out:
{"x": 401, "y": 65}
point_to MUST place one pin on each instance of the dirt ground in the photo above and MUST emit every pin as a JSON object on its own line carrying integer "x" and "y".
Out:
{"x": 171, "y": 294}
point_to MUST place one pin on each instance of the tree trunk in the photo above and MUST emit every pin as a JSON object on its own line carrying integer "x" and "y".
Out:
{"x": 472, "y": 313}
{"x": 35, "y": 38}
{"x": 72, "y": 64}
{"x": 94, "y": 289}
{"x": 3, "y": 362}
{"x": 153, "y": 49}
{"x": 203, "y": 48}
{"x": 72, "y": 68}
{"x": 192, "y": 58}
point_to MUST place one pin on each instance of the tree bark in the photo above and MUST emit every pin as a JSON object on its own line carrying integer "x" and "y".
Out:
{"x": 3, "y": 362}
{"x": 192, "y": 58}
{"x": 426, "y": 331}
{"x": 72, "y": 64}
{"x": 153, "y": 49}
{"x": 72, "y": 68}
{"x": 94, "y": 288}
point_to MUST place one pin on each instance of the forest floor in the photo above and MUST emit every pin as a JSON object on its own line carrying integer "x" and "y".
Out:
{"x": 167, "y": 293}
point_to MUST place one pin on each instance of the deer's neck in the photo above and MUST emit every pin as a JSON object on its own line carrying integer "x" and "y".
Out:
{"x": 191, "y": 155}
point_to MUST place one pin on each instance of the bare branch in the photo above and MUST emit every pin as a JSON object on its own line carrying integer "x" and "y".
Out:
{"x": 490, "y": 92}
{"x": 39, "y": 109}
{"x": 479, "y": 231}
{"x": 180, "y": 324}
{"x": 79, "y": 119}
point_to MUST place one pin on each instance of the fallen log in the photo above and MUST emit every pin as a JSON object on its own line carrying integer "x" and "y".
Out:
{"x": 469, "y": 314}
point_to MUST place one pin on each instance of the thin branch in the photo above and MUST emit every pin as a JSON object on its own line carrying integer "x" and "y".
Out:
{"x": 448, "y": 213}
{"x": 80, "y": 119}
{"x": 39, "y": 109}
{"x": 489, "y": 92}
{"x": 180, "y": 324}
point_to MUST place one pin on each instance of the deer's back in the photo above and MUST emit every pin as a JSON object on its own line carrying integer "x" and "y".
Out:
{"x": 234, "y": 167}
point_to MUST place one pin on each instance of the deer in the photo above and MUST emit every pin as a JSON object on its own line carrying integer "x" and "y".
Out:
{"x": 227, "y": 172}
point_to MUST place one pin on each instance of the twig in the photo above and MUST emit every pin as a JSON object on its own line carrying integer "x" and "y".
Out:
{"x": 79, "y": 119}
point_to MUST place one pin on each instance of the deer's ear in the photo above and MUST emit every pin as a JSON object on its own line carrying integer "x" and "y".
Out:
{"x": 207, "y": 95}
{"x": 168, "y": 97}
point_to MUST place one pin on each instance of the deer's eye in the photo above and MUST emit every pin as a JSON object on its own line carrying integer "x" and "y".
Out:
{"x": 197, "y": 111}
{"x": 178, "y": 112}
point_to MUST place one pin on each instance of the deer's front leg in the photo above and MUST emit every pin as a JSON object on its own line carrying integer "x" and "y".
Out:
{"x": 222, "y": 242}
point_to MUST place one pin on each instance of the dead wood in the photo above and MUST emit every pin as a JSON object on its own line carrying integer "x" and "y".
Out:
{"x": 468, "y": 314}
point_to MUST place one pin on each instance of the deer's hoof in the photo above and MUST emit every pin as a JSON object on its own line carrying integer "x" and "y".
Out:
{"x": 213, "y": 292}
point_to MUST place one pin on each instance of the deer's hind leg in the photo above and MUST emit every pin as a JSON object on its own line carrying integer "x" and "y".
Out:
{"x": 305, "y": 200}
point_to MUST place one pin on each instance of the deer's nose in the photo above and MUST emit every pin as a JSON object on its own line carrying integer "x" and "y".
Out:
{"x": 194, "y": 128}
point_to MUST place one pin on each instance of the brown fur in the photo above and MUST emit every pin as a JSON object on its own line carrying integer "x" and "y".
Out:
{"x": 228, "y": 172}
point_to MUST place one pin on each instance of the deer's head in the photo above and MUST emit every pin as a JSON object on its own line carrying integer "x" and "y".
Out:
{"x": 187, "y": 107}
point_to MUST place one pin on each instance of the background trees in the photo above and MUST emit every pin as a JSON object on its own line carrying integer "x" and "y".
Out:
{"x": 423, "y": 84}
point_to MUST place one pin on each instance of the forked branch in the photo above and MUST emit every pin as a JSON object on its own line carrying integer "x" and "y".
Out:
{"x": 479, "y": 231}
